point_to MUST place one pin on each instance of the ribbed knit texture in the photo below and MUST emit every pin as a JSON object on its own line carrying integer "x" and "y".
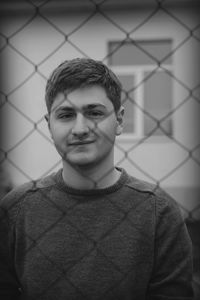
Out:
{"x": 124, "y": 242}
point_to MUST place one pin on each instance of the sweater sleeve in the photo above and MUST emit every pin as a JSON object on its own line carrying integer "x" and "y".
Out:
{"x": 172, "y": 272}
{"x": 9, "y": 286}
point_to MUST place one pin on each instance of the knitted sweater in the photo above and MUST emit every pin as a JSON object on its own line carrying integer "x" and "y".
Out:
{"x": 124, "y": 242}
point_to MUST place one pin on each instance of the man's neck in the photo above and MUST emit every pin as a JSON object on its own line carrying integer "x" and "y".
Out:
{"x": 90, "y": 177}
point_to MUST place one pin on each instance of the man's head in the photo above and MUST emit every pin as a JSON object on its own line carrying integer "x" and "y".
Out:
{"x": 85, "y": 112}
{"x": 81, "y": 72}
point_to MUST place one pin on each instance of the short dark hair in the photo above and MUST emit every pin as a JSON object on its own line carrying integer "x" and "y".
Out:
{"x": 81, "y": 72}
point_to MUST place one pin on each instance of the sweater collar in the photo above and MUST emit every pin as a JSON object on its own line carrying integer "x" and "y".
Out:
{"x": 63, "y": 186}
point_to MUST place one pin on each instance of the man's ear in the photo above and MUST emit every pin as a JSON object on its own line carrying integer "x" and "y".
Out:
{"x": 120, "y": 120}
{"x": 47, "y": 118}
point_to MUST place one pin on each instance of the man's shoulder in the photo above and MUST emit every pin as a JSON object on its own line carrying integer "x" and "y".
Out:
{"x": 142, "y": 186}
{"x": 163, "y": 201}
{"x": 19, "y": 193}
{"x": 153, "y": 189}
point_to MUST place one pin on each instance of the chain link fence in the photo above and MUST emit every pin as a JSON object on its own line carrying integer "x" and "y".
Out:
{"x": 37, "y": 35}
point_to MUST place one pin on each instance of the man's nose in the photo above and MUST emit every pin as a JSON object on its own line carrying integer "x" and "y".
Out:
{"x": 81, "y": 126}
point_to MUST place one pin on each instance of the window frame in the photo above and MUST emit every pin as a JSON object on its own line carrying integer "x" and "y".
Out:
{"x": 138, "y": 73}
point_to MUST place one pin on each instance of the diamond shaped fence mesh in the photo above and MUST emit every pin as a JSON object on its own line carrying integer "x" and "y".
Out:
{"x": 153, "y": 47}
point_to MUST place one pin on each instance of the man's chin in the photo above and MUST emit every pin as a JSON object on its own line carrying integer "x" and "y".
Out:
{"x": 79, "y": 161}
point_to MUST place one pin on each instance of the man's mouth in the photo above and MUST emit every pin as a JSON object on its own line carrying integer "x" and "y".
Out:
{"x": 80, "y": 143}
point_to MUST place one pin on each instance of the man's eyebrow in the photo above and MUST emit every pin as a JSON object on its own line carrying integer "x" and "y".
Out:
{"x": 95, "y": 105}
{"x": 63, "y": 108}
{"x": 85, "y": 107}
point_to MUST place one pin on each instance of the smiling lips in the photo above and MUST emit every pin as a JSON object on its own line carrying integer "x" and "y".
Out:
{"x": 80, "y": 143}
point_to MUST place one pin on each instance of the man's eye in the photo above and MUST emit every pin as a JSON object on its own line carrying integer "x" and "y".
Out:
{"x": 66, "y": 116}
{"x": 95, "y": 114}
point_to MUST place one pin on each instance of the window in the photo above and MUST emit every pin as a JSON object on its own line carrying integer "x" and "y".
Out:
{"x": 144, "y": 68}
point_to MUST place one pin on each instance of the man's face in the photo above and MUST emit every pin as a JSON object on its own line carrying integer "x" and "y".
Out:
{"x": 83, "y": 126}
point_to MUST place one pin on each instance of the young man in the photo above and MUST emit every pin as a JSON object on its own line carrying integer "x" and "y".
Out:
{"x": 91, "y": 231}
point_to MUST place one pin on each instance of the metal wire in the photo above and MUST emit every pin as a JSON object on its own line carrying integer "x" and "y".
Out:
{"x": 38, "y": 9}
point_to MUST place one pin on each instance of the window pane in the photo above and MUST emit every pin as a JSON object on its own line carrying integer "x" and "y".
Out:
{"x": 140, "y": 53}
{"x": 127, "y": 102}
{"x": 157, "y": 102}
